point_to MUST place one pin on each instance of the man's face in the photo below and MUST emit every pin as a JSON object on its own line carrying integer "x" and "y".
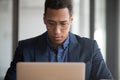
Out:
{"x": 58, "y": 23}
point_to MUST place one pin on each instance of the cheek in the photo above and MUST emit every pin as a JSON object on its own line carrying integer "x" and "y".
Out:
{"x": 65, "y": 33}
{"x": 50, "y": 32}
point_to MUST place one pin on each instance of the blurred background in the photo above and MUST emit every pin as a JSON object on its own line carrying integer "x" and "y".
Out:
{"x": 95, "y": 19}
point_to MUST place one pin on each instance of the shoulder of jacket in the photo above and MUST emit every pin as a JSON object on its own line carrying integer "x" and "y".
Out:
{"x": 85, "y": 41}
{"x": 33, "y": 40}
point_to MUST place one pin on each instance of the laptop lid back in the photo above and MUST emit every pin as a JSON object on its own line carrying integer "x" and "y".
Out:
{"x": 50, "y": 71}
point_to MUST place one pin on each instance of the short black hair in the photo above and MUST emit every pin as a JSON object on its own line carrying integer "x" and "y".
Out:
{"x": 58, "y": 4}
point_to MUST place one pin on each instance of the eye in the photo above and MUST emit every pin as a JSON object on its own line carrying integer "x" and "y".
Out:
{"x": 51, "y": 23}
{"x": 64, "y": 23}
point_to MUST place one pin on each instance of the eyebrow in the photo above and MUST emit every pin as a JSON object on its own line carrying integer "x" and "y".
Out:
{"x": 55, "y": 21}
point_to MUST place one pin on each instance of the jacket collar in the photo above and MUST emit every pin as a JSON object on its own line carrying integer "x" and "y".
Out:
{"x": 73, "y": 54}
{"x": 74, "y": 49}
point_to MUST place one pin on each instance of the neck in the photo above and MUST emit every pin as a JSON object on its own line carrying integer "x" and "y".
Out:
{"x": 55, "y": 46}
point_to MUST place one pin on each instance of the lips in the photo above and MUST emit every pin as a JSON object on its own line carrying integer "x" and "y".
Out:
{"x": 58, "y": 38}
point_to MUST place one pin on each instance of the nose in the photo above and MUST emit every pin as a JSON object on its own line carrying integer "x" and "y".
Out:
{"x": 57, "y": 30}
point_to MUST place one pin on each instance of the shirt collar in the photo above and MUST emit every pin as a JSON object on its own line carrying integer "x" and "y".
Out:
{"x": 64, "y": 45}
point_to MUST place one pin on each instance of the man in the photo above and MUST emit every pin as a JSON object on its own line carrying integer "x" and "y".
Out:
{"x": 60, "y": 45}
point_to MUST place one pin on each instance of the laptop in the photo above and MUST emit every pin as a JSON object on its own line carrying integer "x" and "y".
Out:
{"x": 50, "y": 71}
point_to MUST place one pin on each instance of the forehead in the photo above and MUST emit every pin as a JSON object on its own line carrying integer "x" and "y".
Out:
{"x": 57, "y": 14}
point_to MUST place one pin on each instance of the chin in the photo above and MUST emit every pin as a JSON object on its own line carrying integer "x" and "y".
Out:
{"x": 58, "y": 42}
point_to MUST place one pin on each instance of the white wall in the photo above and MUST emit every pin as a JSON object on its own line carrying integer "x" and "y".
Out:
{"x": 5, "y": 36}
{"x": 81, "y": 17}
{"x": 31, "y": 18}
{"x": 100, "y": 25}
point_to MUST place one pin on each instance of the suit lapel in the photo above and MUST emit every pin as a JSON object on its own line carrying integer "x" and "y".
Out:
{"x": 74, "y": 49}
{"x": 41, "y": 52}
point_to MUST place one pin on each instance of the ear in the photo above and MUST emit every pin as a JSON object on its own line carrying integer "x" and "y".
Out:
{"x": 71, "y": 19}
{"x": 44, "y": 19}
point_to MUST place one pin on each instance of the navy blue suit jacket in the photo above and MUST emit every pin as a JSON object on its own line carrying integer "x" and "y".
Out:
{"x": 80, "y": 50}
